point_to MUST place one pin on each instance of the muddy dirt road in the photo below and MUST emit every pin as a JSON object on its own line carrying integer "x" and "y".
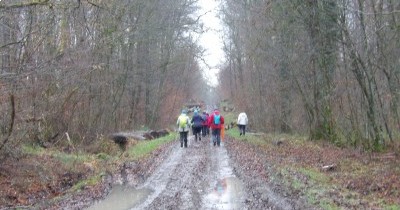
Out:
{"x": 201, "y": 176}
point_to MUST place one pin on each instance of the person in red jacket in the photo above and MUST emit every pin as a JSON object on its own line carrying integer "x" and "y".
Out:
{"x": 205, "y": 130}
{"x": 216, "y": 122}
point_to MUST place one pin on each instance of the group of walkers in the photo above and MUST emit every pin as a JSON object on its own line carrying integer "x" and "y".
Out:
{"x": 201, "y": 123}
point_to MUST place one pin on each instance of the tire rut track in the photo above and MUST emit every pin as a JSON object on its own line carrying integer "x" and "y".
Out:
{"x": 177, "y": 183}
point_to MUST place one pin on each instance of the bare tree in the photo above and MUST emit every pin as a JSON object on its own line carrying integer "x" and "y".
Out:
{"x": 90, "y": 67}
{"x": 327, "y": 63}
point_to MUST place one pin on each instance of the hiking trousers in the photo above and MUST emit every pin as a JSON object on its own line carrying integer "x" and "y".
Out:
{"x": 216, "y": 136}
{"x": 242, "y": 129}
{"x": 183, "y": 138}
{"x": 196, "y": 132}
{"x": 205, "y": 130}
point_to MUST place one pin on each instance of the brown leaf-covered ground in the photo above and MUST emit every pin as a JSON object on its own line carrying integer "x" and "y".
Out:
{"x": 356, "y": 180}
{"x": 42, "y": 181}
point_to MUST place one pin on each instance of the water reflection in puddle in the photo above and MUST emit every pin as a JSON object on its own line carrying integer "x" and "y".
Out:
{"x": 121, "y": 198}
{"x": 226, "y": 194}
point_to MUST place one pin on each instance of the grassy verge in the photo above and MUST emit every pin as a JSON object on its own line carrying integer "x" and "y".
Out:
{"x": 143, "y": 148}
{"x": 357, "y": 182}
{"x": 86, "y": 169}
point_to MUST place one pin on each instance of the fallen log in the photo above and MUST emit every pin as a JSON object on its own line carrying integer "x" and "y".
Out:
{"x": 163, "y": 132}
{"x": 329, "y": 167}
{"x": 155, "y": 134}
{"x": 277, "y": 142}
{"x": 123, "y": 137}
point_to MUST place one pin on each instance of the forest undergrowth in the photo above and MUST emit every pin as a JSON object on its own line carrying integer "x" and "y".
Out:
{"x": 324, "y": 175}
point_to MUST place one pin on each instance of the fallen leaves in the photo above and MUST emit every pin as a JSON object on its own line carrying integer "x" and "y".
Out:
{"x": 368, "y": 178}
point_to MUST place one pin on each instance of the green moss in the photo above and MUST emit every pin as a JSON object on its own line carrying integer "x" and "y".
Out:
{"x": 297, "y": 185}
{"x": 103, "y": 156}
{"x": 91, "y": 181}
{"x": 144, "y": 148}
{"x": 328, "y": 205}
{"x": 33, "y": 149}
{"x": 72, "y": 158}
{"x": 392, "y": 207}
{"x": 315, "y": 176}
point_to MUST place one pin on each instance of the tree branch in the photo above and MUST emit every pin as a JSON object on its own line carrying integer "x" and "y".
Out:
{"x": 10, "y": 129}
{"x": 24, "y": 4}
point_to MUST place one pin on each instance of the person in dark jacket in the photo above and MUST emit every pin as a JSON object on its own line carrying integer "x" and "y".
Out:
{"x": 197, "y": 125}
{"x": 205, "y": 130}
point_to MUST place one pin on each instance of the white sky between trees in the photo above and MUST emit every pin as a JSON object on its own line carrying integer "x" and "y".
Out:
{"x": 211, "y": 40}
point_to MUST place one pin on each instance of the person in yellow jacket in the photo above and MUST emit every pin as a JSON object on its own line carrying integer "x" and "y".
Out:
{"x": 183, "y": 124}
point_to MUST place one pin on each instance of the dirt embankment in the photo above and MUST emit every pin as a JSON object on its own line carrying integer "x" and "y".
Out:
{"x": 320, "y": 173}
{"x": 44, "y": 182}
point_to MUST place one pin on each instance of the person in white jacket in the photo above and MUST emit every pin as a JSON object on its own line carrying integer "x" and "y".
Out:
{"x": 242, "y": 122}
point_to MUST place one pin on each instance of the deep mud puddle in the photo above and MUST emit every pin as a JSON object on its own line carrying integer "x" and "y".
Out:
{"x": 227, "y": 194}
{"x": 122, "y": 198}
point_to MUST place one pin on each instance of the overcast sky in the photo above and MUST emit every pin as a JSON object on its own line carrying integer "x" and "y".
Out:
{"x": 211, "y": 40}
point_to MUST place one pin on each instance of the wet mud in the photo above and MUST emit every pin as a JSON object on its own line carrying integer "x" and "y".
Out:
{"x": 201, "y": 176}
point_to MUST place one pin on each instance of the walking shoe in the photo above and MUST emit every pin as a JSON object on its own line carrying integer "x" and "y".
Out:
{"x": 199, "y": 138}
{"x": 215, "y": 143}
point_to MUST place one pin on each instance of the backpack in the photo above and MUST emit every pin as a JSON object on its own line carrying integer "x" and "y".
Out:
{"x": 182, "y": 121}
{"x": 197, "y": 121}
{"x": 217, "y": 119}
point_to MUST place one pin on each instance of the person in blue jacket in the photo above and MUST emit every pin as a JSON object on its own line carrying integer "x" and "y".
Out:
{"x": 197, "y": 125}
